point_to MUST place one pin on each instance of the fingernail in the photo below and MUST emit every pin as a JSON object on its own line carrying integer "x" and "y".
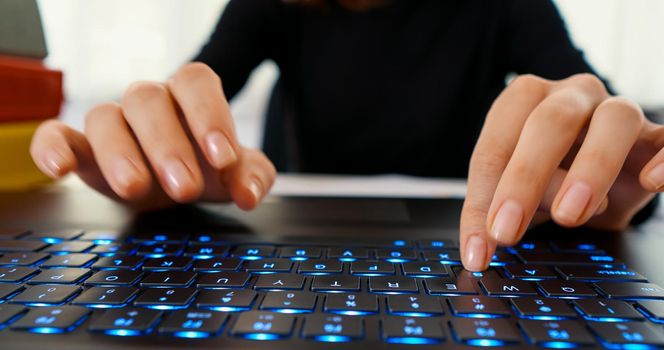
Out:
{"x": 177, "y": 175}
{"x": 125, "y": 174}
{"x": 475, "y": 253}
{"x": 656, "y": 176}
{"x": 507, "y": 221}
{"x": 255, "y": 189}
{"x": 574, "y": 202}
{"x": 219, "y": 149}
{"x": 53, "y": 163}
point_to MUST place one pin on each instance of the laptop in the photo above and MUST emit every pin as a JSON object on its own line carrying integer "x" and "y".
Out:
{"x": 78, "y": 271}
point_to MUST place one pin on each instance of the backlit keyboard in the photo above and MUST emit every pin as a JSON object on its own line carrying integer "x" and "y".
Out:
{"x": 104, "y": 283}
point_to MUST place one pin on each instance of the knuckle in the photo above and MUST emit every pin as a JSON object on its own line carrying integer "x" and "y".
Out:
{"x": 589, "y": 82}
{"x": 101, "y": 111}
{"x": 194, "y": 73}
{"x": 624, "y": 109}
{"x": 527, "y": 83}
{"x": 563, "y": 115}
{"x": 144, "y": 92}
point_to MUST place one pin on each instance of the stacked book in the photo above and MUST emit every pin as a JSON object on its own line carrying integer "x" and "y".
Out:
{"x": 29, "y": 92}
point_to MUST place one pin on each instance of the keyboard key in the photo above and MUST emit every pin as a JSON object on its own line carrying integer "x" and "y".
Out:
{"x": 268, "y": 266}
{"x": 556, "y": 334}
{"x": 479, "y": 307}
{"x": 165, "y": 298}
{"x": 45, "y": 295}
{"x": 118, "y": 262}
{"x": 7, "y": 290}
{"x": 334, "y": 283}
{"x": 392, "y": 285}
{"x": 216, "y": 265}
{"x": 101, "y": 236}
{"x": 320, "y": 267}
{"x": 225, "y": 300}
{"x": 158, "y": 237}
{"x": 396, "y": 254}
{"x": 566, "y": 289}
{"x": 333, "y": 328}
{"x": 372, "y": 268}
{"x": 114, "y": 249}
{"x": 530, "y": 272}
{"x": 21, "y": 246}
{"x": 436, "y": 244}
{"x": 495, "y": 287}
{"x": 54, "y": 236}
{"x": 61, "y": 276}
{"x": 653, "y": 308}
{"x": 22, "y": 259}
{"x": 414, "y": 305}
{"x": 593, "y": 274}
{"x": 532, "y": 246}
{"x": 279, "y": 281}
{"x": 628, "y": 333}
{"x": 167, "y": 264}
{"x": 114, "y": 278}
{"x": 193, "y": 323}
{"x": 105, "y": 297}
{"x": 447, "y": 257}
{"x": 485, "y": 332}
{"x": 11, "y": 233}
{"x": 577, "y": 247}
{"x": 69, "y": 260}
{"x": 633, "y": 290}
{"x": 564, "y": 259}
{"x": 69, "y": 247}
{"x": 125, "y": 321}
{"x": 410, "y": 330}
{"x": 49, "y": 320}
{"x": 159, "y": 250}
{"x": 248, "y": 252}
{"x": 300, "y": 253}
{"x": 542, "y": 309}
{"x": 223, "y": 280}
{"x": 424, "y": 269}
{"x": 169, "y": 279}
{"x": 16, "y": 274}
{"x": 348, "y": 254}
{"x": 289, "y": 302}
{"x": 206, "y": 251}
{"x": 262, "y": 325}
{"x": 450, "y": 286}
{"x": 351, "y": 304}
{"x": 10, "y": 313}
{"x": 607, "y": 310}
{"x": 502, "y": 259}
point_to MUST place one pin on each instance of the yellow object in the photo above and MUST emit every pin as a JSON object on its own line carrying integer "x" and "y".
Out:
{"x": 17, "y": 170}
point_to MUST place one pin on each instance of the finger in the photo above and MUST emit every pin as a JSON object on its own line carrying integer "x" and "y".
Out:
{"x": 251, "y": 179}
{"x": 149, "y": 111}
{"x": 197, "y": 90}
{"x": 651, "y": 176}
{"x": 547, "y": 136}
{"x": 550, "y": 195}
{"x": 117, "y": 154}
{"x": 494, "y": 147}
{"x": 598, "y": 162}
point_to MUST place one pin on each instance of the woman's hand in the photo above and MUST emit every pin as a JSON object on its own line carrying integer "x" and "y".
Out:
{"x": 179, "y": 133}
{"x": 563, "y": 150}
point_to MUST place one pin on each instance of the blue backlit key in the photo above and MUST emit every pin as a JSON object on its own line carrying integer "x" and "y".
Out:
{"x": 49, "y": 320}
{"x": 542, "y": 308}
{"x": 412, "y": 330}
{"x": 101, "y": 237}
{"x": 557, "y": 334}
{"x": 628, "y": 334}
{"x": 396, "y": 254}
{"x": 565, "y": 259}
{"x": 334, "y": 283}
{"x": 351, "y": 304}
{"x": 530, "y": 272}
{"x": 372, "y": 268}
{"x": 16, "y": 274}
{"x": 223, "y": 280}
{"x": 126, "y": 322}
{"x": 633, "y": 290}
{"x": 279, "y": 281}
{"x": 114, "y": 278}
{"x": 247, "y": 252}
{"x": 485, "y": 332}
{"x": 22, "y": 259}
{"x": 118, "y": 262}
{"x": 21, "y": 246}
{"x": 450, "y": 286}
{"x": 448, "y": 257}
{"x": 566, "y": 289}
{"x": 165, "y": 298}
{"x": 479, "y": 307}
{"x": 498, "y": 287}
{"x": 653, "y": 308}
{"x": 114, "y": 249}
{"x": 294, "y": 302}
{"x": 392, "y": 285}
{"x": 261, "y": 325}
{"x": 45, "y": 295}
{"x": 10, "y": 313}
{"x": 424, "y": 269}
{"x": 158, "y": 237}
{"x": 167, "y": 264}
{"x": 320, "y": 267}
{"x": 69, "y": 247}
{"x": 333, "y": 328}
{"x": 598, "y": 273}
{"x": 348, "y": 254}
{"x": 105, "y": 297}
{"x": 159, "y": 250}
{"x": 54, "y": 236}
{"x": 193, "y": 323}
{"x": 268, "y": 266}
{"x": 168, "y": 279}
{"x": 68, "y": 260}
{"x": 217, "y": 265}
{"x": 61, "y": 276}
{"x": 414, "y": 305}
{"x": 7, "y": 290}
{"x": 607, "y": 310}
{"x": 206, "y": 251}
{"x": 436, "y": 244}
{"x": 300, "y": 253}
{"x": 225, "y": 300}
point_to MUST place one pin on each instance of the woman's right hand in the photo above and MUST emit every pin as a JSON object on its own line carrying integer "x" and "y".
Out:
{"x": 179, "y": 133}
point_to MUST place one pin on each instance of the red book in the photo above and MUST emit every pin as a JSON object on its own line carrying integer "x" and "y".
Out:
{"x": 28, "y": 90}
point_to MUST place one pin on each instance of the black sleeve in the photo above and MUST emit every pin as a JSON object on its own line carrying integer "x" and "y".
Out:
{"x": 243, "y": 38}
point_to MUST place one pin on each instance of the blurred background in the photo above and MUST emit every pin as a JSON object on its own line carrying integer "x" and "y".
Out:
{"x": 102, "y": 46}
